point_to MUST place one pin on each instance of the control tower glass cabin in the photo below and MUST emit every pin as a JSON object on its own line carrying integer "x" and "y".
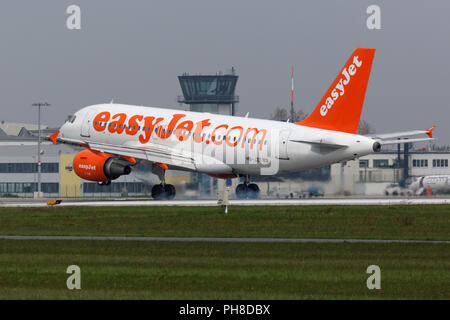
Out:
{"x": 209, "y": 93}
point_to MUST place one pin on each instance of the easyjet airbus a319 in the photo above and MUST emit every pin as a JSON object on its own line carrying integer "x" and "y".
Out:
{"x": 116, "y": 137}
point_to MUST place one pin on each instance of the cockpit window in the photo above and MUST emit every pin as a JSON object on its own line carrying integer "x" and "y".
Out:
{"x": 71, "y": 118}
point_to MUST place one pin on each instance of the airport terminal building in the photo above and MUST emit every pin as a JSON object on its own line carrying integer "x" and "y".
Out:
{"x": 370, "y": 175}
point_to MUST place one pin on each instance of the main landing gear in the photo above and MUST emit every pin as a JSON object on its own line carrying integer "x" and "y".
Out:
{"x": 162, "y": 191}
{"x": 247, "y": 190}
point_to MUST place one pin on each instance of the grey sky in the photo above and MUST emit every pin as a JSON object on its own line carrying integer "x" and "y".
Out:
{"x": 133, "y": 51}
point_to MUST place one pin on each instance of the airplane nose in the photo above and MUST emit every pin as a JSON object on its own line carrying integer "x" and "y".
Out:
{"x": 62, "y": 130}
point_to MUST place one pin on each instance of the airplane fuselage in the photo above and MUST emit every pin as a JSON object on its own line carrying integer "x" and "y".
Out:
{"x": 215, "y": 144}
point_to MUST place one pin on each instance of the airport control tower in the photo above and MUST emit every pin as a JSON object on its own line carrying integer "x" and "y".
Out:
{"x": 209, "y": 93}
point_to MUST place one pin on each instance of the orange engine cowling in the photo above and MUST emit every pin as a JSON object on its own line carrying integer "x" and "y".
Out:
{"x": 98, "y": 166}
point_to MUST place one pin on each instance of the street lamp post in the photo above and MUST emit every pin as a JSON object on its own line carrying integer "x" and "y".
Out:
{"x": 39, "y": 105}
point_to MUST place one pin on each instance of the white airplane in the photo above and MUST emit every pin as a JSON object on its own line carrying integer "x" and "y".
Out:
{"x": 436, "y": 183}
{"x": 117, "y": 136}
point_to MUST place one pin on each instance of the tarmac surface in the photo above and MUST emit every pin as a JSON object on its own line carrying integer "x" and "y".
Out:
{"x": 211, "y": 203}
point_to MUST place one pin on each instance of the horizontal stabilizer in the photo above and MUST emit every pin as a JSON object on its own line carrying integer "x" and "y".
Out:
{"x": 397, "y": 141}
{"x": 428, "y": 132}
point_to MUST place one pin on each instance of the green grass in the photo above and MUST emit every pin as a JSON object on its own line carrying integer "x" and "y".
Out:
{"x": 161, "y": 270}
{"x": 201, "y": 270}
{"x": 430, "y": 222}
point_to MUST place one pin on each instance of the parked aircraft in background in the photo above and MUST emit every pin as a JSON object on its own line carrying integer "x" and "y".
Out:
{"x": 435, "y": 183}
{"x": 117, "y": 136}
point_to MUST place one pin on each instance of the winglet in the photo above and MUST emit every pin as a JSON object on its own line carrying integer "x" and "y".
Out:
{"x": 54, "y": 137}
{"x": 429, "y": 131}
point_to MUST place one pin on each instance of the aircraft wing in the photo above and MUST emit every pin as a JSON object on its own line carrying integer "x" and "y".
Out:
{"x": 152, "y": 152}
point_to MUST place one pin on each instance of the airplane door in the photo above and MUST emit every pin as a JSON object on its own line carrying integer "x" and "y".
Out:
{"x": 284, "y": 136}
{"x": 87, "y": 124}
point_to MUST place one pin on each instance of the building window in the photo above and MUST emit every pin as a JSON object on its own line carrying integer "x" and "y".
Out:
{"x": 380, "y": 163}
{"x": 440, "y": 162}
{"x": 26, "y": 187}
{"x": 363, "y": 163}
{"x": 47, "y": 167}
{"x": 420, "y": 163}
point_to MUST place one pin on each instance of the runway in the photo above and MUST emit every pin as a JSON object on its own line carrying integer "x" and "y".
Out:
{"x": 212, "y": 203}
{"x": 204, "y": 239}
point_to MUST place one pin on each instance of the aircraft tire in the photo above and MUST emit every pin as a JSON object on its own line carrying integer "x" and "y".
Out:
{"x": 158, "y": 192}
{"x": 253, "y": 191}
{"x": 241, "y": 191}
{"x": 169, "y": 191}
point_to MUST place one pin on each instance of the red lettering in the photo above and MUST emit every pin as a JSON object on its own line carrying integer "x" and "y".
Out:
{"x": 198, "y": 130}
{"x": 118, "y": 126}
{"x": 133, "y": 125}
{"x": 182, "y": 128}
{"x": 149, "y": 126}
{"x": 101, "y": 117}
{"x": 164, "y": 134}
{"x": 213, "y": 139}
{"x": 255, "y": 134}
{"x": 227, "y": 140}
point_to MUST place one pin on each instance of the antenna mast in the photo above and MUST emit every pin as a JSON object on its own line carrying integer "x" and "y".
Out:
{"x": 292, "y": 94}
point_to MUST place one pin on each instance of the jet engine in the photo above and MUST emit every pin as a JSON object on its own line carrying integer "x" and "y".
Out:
{"x": 98, "y": 166}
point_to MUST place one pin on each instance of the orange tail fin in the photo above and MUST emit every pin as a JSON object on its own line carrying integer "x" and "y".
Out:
{"x": 340, "y": 108}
